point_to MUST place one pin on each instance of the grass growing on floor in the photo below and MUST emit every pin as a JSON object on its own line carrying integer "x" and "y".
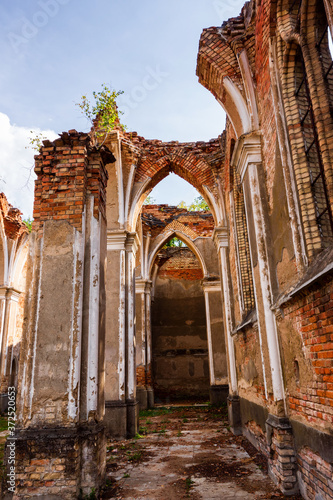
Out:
{"x": 3, "y": 427}
{"x": 155, "y": 412}
{"x": 3, "y": 424}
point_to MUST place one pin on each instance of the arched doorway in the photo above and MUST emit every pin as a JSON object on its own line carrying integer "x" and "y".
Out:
{"x": 180, "y": 361}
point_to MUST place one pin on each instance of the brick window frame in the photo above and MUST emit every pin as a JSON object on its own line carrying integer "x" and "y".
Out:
{"x": 299, "y": 53}
{"x": 242, "y": 247}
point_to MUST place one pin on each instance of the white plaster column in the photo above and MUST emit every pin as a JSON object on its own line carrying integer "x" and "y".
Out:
{"x": 94, "y": 238}
{"x": 9, "y": 299}
{"x": 247, "y": 158}
{"x": 148, "y": 290}
{"x": 3, "y": 291}
{"x": 132, "y": 245}
{"x": 207, "y": 288}
{"x": 143, "y": 343}
{"x": 220, "y": 237}
{"x": 140, "y": 286}
{"x": 116, "y": 316}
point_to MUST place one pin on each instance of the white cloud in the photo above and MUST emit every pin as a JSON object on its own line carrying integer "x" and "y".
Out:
{"x": 16, "y": 163}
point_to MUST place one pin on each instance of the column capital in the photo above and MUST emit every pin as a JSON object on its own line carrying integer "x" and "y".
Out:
{"x": 211, "y": 285}
{"x": 143, "y": 286}
{"x": 116, "y": 239}
{"x": 220, "y": 237}
{"x": 132, "y": 242}
{"x": 9, "y": 293}
{"x": 247, "y": 150}
{"x": 120, "y": 239}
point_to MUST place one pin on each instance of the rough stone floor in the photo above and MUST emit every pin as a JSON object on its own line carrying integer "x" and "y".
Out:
{"x": 187, "y": 453}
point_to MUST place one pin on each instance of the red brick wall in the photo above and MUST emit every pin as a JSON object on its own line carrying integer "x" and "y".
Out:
{"x": 316, "y": 473}
{"x": 68, "y": 170}
{"x": 12, "y": 221}
{"x": 180, "y": 264}
{"x": 312, "y": 317}
{"x": 156, "y": 218}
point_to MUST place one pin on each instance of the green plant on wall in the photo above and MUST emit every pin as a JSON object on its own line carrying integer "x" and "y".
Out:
{"x": 149, "y": 201}
{"x": 36, "y": 141}
{"x": 102, "y": 112}
{"x": 28, "y": 222}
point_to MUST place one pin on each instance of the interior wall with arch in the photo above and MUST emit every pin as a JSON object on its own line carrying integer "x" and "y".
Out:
{"x": 186, "y": 334}
{"x": 13, "y": 260}
{"x": 180, "y": 364}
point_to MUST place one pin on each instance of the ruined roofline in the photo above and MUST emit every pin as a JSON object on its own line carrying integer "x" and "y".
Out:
{"x": 164, "y": 207}
{"x": 74, "y": 138}
{"x": 140, "y": 141}
{"x": 12, "y": 219}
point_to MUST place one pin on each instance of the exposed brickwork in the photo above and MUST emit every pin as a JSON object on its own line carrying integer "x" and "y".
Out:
{"x": 179, "y": 263}
{"x": 141, "y": 375}
{"x": 199, "y": 163}
{"x": 161, "y": 218}
{"x": 11, "y": 219}
{"x": 49, "y": 463}
{"x": 282, "y": 460}
{"x": 299, "y": 58}
{"x": 278, "y": 447}
{"x": 312, "y": 317}
{"x": 316, "y": 473}
{"x": 68, "y": 170}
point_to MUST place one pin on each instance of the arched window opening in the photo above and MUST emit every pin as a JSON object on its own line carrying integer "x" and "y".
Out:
{"x": 175, "y": 242}
{"x": 173, "y": 190}
{"x": 324, "y": 46}
{"x": 243, "y": 248}
{"x": 315, "y": 166}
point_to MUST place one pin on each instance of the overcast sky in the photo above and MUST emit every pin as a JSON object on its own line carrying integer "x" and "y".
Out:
{"x": 54, "y": 51}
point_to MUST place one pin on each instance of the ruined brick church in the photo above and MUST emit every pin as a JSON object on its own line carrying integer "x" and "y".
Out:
{"x": 85, "y": 336}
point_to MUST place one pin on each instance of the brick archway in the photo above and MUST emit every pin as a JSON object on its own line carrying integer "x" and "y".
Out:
{"x": 200, "y": 164}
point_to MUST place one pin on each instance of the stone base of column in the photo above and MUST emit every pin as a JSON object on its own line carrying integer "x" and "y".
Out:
{"x": 145, "y": 397}
{"x": 234, "y": 414}
{"x": 115, "y": 419}
{"x": 56, "y": 463}
{"x": 121, "y": 419}
{"x": 218, "y": 394}
{"x": 3, "y": 403}
{"x": 150, "y": 397}
{"x": 142, "y": 397}
{"x": 132, "y": 418}
{"x": 282, "y": 466}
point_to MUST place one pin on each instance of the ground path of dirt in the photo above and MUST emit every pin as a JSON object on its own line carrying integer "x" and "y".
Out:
{"x": 187, "y": 453}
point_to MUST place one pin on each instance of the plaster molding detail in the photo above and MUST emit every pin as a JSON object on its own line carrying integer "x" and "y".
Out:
{"x": 116, "y": 239}
{"x": 132, "y": 242}
{"x": 220, "y": 237}
{"x": 240, "y": 104}
{"x": 211, "y": 286}
{"x": 143, "y": 286}
{"x": 247, "y": 150}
